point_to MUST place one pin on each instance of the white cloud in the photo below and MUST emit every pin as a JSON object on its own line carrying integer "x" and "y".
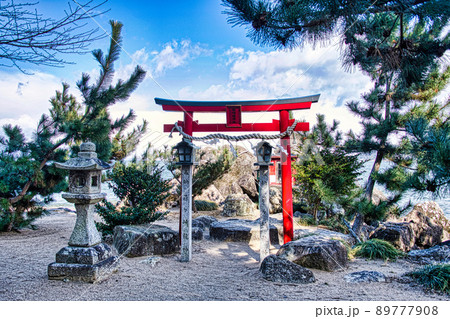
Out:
{"x": 25, "y": 98}
{"x": 281, "y": 74}
{"x": 176, "y": 54}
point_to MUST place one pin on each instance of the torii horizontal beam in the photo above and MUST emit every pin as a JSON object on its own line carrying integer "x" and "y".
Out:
{"x": 246, "y": 127}
{"x": 246, "y": 106}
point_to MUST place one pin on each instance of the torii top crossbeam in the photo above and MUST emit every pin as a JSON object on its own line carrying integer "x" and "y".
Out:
{"x": 233, "y": 110}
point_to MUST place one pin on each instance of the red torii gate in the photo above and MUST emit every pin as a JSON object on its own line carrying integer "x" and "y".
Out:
{"x": 234, "y": 123}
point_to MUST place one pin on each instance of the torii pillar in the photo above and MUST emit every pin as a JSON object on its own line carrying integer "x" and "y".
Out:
{"x": 234, "y": 123}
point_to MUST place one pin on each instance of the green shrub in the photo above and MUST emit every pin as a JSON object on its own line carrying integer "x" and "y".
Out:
{"x": 435, "y": 277}
{"x": 334, "y": 223}
{"x": 205, "y": 205}
{"x": 299, "y": 207}
{"x": 141, "y": 191}
{"x": 376, "y": 249}
{"x": 306, "y": 221}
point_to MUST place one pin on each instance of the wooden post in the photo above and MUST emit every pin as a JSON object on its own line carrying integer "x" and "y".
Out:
{"x": 264, "y": 245}
{"x": 186, "y": 213}
{"x": 286, "y": 180}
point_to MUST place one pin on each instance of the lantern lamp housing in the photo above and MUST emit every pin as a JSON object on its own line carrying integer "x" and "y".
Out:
{"x": 186, "y": 153}
{"x": 264, "y": 154}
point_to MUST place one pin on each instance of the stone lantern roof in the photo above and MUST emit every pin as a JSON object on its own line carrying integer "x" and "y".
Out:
{"x": 86, "y": 160}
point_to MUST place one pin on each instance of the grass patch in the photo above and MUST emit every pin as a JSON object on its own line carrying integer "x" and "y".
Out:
{"x": 377, "y": 249}
{"x": 205, "y": 205}
{"x": 306, "y": 221}
{"x": 434, "y": 277}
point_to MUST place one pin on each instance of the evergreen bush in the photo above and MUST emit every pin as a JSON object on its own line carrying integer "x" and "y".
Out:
{"x": 141, "y": 191}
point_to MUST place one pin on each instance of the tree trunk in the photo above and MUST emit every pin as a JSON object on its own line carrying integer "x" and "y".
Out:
{"x": 359, "y": 219}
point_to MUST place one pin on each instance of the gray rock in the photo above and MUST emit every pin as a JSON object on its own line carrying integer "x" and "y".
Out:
{"x": 277, "y": 269}
{"x": 197, "y": 233}
{"x": 243, "y": 166}
{"x": 205, "y": 220}
{"x": 324, "y": 233}
{"x": 401, "y": 235}
{"x": 237, "y": 205}
{"x": 152, "y": 261}
{"x": 365, "y": 276}
{"x": 433, "y": 255}
{"x": 197, "y": 224}
{"x": 275, "y": 200}
{"x": 429, "y": 224}
{"x": 211, "y": 194}
{"x": 316, "y": 252}
{"x": 241, "y": 230}
{"x": 247, "y": 182}
{"x": 134, "y": 241}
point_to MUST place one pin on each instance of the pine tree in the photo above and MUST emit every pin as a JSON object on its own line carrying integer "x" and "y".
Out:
{"x": 26, "y": 168}
{"x": 324, "y": 173}
{"x": 398, "y": 43}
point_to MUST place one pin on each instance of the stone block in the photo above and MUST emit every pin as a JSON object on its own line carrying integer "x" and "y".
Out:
{"x": 83, "y": 272}
{"x": 316, "y": 252}
{"x": 274, "y": 268}
{"x": 135, "y": 241}
{"x": 88, "y": 264}
{"x": 242, "y": 230}
{"x": 84, "y": 255}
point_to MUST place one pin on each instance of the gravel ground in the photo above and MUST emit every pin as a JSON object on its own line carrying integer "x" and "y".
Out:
{"x": 218, "y": 271}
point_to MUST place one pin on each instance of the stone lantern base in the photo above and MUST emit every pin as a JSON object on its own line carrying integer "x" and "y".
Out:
{"x": 88, "y": 264}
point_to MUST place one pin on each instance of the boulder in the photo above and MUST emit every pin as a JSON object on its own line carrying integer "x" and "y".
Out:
{"x": 277, "y": 269}
{"x": 316, "y": 252}
{"x": 434, "y": 255}
{"x": 429, "y": 224}
{"x": 275, "y": 201}
{"x": 205, "y": 220}
{"x": 365, "y": 276}
{"x": 241, "y": 230}
{"x": 324, "y": 233}
{"x": 197, "y": 233}
{"x": 237, "y": 205}
{"x": 134, "y": 241}
{"x": 425, "y": 226}
{"x": 211, "y": 194}
{"x": 401, "y": 235}
{"x": 247, "y": 182}
{"x": 198, "y": 224}
{"x": 230, "y": 183}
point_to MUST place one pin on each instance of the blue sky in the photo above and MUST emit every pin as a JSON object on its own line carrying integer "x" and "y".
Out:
{"x": 190, "y": 52}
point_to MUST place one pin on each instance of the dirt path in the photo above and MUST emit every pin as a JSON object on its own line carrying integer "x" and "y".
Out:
{"x": 218, "y": 271}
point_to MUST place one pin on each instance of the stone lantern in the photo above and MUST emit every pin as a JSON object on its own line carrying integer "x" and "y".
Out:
{"x": 86, "y": 258}
{"x": 263, "y": 152}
